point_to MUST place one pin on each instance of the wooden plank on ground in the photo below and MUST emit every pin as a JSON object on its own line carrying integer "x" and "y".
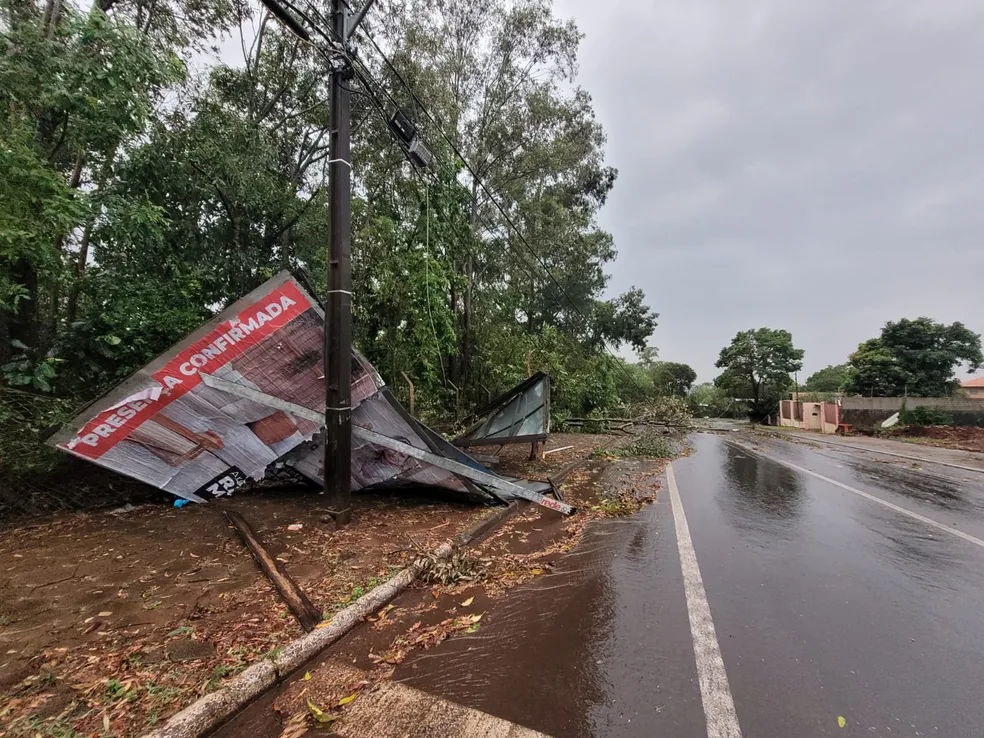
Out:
{"x": 304, "y": 610}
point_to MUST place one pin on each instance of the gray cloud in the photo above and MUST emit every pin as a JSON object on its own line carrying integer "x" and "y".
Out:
{"x": 816, "y": 166}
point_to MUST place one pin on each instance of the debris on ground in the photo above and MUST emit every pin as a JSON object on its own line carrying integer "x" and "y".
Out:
{"x": 136, "y": 616}
{"x": 133, "y": 617}
{"x": 967, "y": 438}
{"x": 529, "y": 545}
{"x": 243, "y": 397}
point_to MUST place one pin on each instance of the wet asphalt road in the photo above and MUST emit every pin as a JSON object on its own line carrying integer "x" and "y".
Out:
{"x": 825, "y": 603}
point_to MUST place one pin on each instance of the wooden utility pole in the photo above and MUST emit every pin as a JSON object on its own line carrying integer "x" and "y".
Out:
{"x": 338, "y": 301}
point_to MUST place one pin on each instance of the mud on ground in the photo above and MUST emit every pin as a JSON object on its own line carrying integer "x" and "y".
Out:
{"x": 111, "y": 622}
{"x": 962, "y": 438}
{"x": 529, "y": 545}
{"x": 126, "y": 617}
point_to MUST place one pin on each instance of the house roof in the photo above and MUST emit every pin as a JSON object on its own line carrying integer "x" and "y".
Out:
{"x": 975, "y": 382}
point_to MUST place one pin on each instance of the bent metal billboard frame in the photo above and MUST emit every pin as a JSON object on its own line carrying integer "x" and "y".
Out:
{"x": 165, "y": 426}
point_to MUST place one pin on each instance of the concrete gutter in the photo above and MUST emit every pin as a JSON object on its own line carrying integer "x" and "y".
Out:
{"x": 212, "y": 710}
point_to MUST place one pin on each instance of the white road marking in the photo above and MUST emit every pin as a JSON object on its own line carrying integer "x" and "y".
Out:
{"x": 889, "y": 505}
{"x": 715, "y": 693}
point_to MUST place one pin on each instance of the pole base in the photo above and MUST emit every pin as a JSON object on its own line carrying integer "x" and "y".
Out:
{"x": 341, "y": 517}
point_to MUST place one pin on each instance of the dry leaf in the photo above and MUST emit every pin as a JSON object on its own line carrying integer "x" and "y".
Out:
{"x": 320, "y": 715}
{"x": 307, "y": 676}
{"x": 537, "y": 572}
{"x": 467, "y": 602}
{"x": 381, "y": 615}
{"x": 296, "y": 726}
{"x": 322, "y": 624}
{"x": 346, "y": 700}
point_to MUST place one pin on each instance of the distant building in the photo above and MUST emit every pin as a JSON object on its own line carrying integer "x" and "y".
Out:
{"x": 974, "y": 388}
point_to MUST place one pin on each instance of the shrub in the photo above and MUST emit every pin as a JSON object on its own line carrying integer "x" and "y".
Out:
{"x": 922, "y": 415}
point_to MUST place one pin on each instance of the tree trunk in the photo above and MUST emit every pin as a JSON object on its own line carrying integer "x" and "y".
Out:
{"x": 83, "y": 257}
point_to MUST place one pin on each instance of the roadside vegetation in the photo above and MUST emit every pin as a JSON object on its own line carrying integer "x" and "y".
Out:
{"x": 128, "y": 221}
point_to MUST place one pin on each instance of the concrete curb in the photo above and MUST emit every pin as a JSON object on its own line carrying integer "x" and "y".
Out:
{"x": 209, "y": 712}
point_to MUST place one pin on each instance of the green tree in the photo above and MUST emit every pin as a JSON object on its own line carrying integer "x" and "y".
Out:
{"x": 759, "y": 362}
{"x": 828, "y": 379}
{"x": 915, "y": 357}
{"x": 707, "y": 400}
{"x": 672, "y": 379}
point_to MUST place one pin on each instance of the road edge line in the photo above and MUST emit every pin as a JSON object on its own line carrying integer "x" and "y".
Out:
{"x": 715, "y": 692}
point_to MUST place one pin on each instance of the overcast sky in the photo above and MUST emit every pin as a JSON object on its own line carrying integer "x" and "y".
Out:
{"x": 815, "y": 165}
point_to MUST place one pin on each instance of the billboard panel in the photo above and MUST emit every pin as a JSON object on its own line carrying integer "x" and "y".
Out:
{"x": 166, "y": 427}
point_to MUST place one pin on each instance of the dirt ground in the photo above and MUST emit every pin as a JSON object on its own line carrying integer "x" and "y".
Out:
{"x": 962, "y": 439}
{"x": 111, "y": 622}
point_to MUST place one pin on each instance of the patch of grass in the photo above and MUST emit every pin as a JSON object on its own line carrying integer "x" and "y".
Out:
{"x": 115, "y": 690}
{"x": 4, "y": 620}
{"x": 273, "y": 652}
{"x": 48, "y": 728}
{"x": 152, "y": 605}
{"x": 360, "y": 589}
{"x": 161, "y": 695}
{"x": 219, "y": 673}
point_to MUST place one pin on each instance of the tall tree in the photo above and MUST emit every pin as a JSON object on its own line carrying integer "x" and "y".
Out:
{"x": 760, "y": 360}
{"x": 672, "y": 379}
{"x": 916, "y": 357}
{"x": 828, "y": 379}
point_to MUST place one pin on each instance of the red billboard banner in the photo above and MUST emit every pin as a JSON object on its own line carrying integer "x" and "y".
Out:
{"x": 226, "y": 342}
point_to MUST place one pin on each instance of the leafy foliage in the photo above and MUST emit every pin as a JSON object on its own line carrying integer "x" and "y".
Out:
{"x": 672, "y": 379}
{"x": 914, "y": 357}
{"x": 142, "y": 193}
{"x": 828, "y": 379}
{"x": 757, "y": 366}
{"x": 707, "y": 400}
{"x": 923, "y": 416}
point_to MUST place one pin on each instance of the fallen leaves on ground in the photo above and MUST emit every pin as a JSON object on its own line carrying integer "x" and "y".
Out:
{"x": 426, "y": 637}
{"x": 296, "y": 726}
{"x": 319, "y": 715}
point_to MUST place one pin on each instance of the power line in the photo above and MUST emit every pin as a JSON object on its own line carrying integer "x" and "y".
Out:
{"x": 489, "y": 194}
{"x": 337, "y": 44}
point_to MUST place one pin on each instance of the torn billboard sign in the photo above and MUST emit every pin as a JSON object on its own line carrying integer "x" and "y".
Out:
{"x": 521, "y": 415}
{"x": 241, "y": 394}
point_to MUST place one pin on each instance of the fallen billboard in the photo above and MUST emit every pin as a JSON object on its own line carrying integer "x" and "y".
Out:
{"x": 245, "y": 393}
{"x": 521, "y": 415}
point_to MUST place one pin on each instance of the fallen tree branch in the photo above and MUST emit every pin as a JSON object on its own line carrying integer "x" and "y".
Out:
{"x": 304, "y": 610}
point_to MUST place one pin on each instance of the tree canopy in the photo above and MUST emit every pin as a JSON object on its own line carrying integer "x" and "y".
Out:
{"x": 828, "y": 379}
{"x": 757, "y": 365}
{"x": 142, "y": 192}
{"x": 672, "y": 379}
{"x": 915, "y": 357}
